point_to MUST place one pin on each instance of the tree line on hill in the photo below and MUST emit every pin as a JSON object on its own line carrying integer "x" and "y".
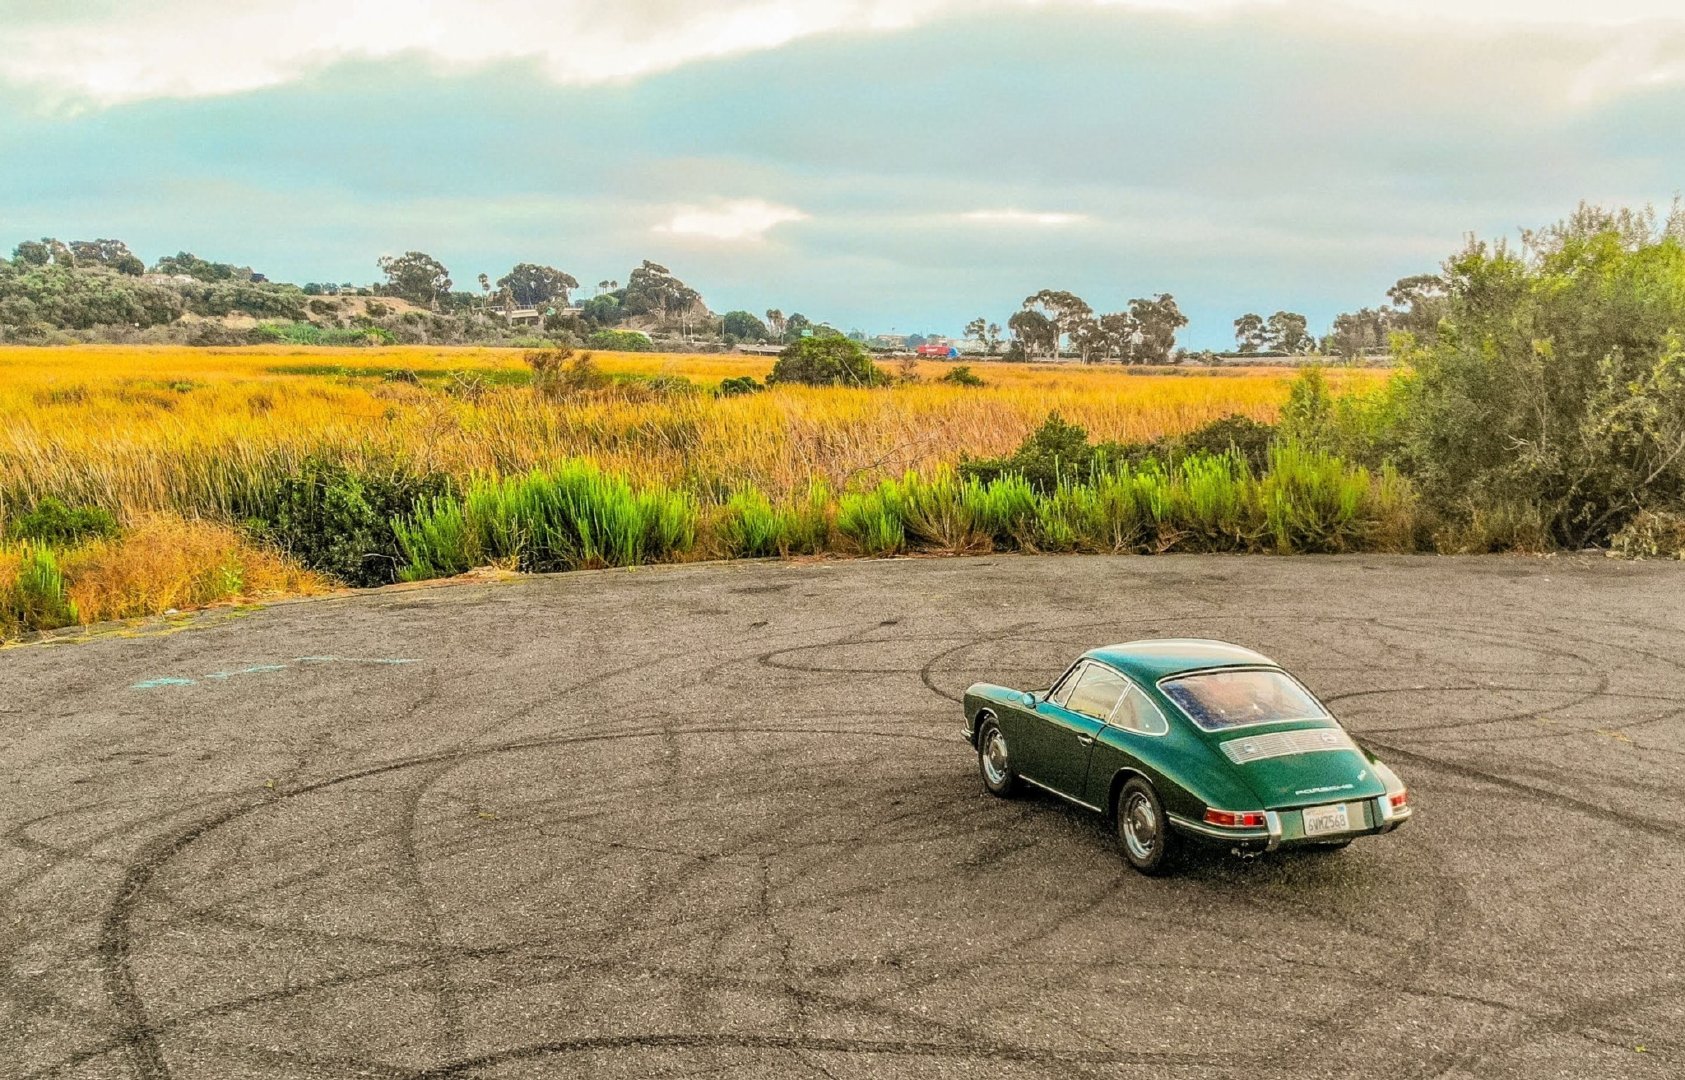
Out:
{"x": 101, "y": 289}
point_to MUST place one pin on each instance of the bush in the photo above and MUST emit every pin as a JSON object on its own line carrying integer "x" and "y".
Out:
{"x": 1652, "y": 534}
{"x": 338, "y": 520}
{"x": 1056, "y": 450}
{"x": 737, "y": 385}
{"x": 620, "y": 341}
{"x": 52, "y": 522}
{"x": 961, "y": 376}
{"x": 33, "y": 594}
{"x": 827, "y": 360}
{"x": 568, "y": 518}
{"x": 1558, "y": 378}
{"x": 1247, "y": 439}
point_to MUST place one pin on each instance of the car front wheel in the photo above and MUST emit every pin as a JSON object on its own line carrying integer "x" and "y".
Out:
{"x": 994, "y": 761}
{"x": 1142, "y": 829}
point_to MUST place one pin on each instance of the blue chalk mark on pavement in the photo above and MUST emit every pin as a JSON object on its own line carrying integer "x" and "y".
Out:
{"x": 260, "y": 669}
{"x": 255, "y": 669}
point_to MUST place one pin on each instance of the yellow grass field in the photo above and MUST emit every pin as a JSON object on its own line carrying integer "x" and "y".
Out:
{"x": 139, "y": 429}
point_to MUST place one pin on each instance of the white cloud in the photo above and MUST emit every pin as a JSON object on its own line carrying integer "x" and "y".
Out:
{"x": 740, "y": 219}
{"x": 105, "y": 53}
{"x": 1023, "y": 217}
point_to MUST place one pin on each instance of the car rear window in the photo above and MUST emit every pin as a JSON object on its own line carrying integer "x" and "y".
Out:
{"x": 1216, "y": 700}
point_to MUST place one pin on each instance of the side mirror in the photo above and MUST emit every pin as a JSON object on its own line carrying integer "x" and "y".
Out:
{"x": 1029, "y": 701}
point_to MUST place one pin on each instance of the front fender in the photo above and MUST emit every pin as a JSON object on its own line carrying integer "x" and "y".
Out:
{"x": 981, "y": 696}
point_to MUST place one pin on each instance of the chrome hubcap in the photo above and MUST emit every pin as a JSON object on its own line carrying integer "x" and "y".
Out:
{"x": 994, "y": 758}
{"x": 1140, "y": 826}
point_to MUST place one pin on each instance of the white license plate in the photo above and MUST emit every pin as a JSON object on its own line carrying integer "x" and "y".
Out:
{"x": 1326, "y": 819}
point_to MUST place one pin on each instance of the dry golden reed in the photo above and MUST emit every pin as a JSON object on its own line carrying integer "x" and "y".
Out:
{"x": 185, "y": 430}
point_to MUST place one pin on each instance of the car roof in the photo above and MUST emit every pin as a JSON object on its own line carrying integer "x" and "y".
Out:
{"x": 1155, "y": 658}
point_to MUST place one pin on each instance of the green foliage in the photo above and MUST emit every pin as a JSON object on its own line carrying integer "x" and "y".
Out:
{"x": 572, "y": 517}
{"x": 961, "y": 376}
{"x": 874, "y": 521}
{"x": 1247, "y": 439}
{"x": 1653, "y": 534}
{"x": 303, "y": 333}
{"x": 415, "y": 276}
{"x": 338, "y": 520}
{"x": 1056, "y": 450}
{"x": 737, "y": 385}
{"x": 50, "y": 521}
{"x": 1558, "y": 378}
{"x": 744, "y": 326}
{"x": 826, "y": 360}
{"x": 620, "y": 341}
{"x": 36, "y": 599}
{"x": 531, "y": 285}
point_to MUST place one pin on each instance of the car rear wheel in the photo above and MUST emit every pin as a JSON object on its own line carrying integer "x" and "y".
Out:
{"x": 1142, "y": 828}
{"x": 994, "y": 761}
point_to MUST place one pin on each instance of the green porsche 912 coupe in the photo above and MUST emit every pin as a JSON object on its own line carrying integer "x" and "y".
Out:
{"x": 1175, "y": 739}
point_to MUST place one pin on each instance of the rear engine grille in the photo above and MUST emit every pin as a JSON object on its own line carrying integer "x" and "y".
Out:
{"x": 1284, "y": 743}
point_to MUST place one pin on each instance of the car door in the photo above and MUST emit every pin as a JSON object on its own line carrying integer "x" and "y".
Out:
{"x": 1069, "y": 725}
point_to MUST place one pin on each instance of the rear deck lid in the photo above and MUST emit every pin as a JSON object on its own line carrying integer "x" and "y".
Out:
{"x": 1302, "y": 766}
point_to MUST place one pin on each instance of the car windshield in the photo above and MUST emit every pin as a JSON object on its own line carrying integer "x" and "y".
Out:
{"x": 1216, "y": 700}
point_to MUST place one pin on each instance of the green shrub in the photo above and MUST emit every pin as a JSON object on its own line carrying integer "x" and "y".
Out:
{"x": 572, "y": 517}
{"x": 1312, "y": 501}
{"x": 338, "y": 520}
{"x": 1057, "y": 450}
{"x": 961, "y": 376}
{"x": 874, "y": 521}
{"x": 36, "y": 599}
{"x": 52, "y": 522}
{"x": 748, "y": 526}
{"x": 1245, "y": 438}
{"x": 738, "y": 384}
{"x": 1652, "y": 534}
{"x": 827, "y": 360}
{"x": 620, "y": 341}
{"x": 1557, "y": 380}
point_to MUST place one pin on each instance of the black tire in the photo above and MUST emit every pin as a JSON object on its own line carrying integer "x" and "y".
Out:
{"x": 1143, "y": 830}
{"x": 994, "y": 763}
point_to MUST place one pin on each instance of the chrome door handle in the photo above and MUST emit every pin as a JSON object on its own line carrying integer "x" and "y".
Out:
{"x": 1086, "y": 740}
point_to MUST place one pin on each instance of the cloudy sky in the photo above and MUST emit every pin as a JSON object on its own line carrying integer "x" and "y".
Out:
{"x": 883, "y": 164}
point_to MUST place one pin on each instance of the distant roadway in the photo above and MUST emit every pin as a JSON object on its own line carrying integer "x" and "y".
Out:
{"x": 717, "y": 820}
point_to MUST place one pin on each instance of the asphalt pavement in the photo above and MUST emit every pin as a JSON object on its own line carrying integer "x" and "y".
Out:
{"x": 717, "y": 820}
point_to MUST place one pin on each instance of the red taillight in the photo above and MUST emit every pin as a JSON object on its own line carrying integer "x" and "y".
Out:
{"x": 1236, "y": 819}
{"x": 1399, "y": 799}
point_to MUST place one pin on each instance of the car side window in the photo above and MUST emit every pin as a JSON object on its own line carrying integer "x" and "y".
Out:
{"x": 1097, "y": 692}
{"x": 1062, "y": 689}
{"x": 1137, "y": 713}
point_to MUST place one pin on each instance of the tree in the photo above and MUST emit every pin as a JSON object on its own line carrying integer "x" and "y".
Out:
{"x": 1286, "y": 332}
{"x": 1061, "y": 310}
{"x": 1088, "y": 338}
{"x": 1033, "y": 333}
{"x": 111, "y": 254}
{"x": 794, "y": 325}
{"x": 1120, "y": 329}
{"x": 601, "y": 310}
{"x": 775, "y": 322}
{"x": 1157, "y": 321}
{"x": 185, "y": 262}
{"x": 743, "y": 326}
{"x": 991, "y": 344}
{"x": 826, "y": 360}
{"x": 1249, "y": 333}
{"x": 532, "y": 285}
{"x": 43, "y": 252}
{"x": 1357, "y": 333}
{"x": 1420, "y": 301}
{"x": 977, "y": 330}
{"x": 415, "y": 276}
{"x": 653, "y": 288}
